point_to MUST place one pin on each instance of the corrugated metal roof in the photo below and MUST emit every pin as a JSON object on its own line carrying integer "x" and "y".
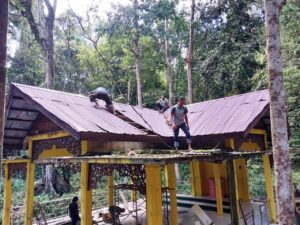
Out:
{"x": 227, "y": 115}
{"x": 235, "y": 114}
{"x": 78, "y": 112}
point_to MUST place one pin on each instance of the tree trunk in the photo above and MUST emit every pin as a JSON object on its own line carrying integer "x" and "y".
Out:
{"x": 189, "y": 59}
{"x": 49, "y": 68}
{"x": 49, "y": 180}
{"x": 137, "y": 56}
{"x": 169, "y": 71}
{"x": 3, "y": 41}
{"x": 283, "y": 176}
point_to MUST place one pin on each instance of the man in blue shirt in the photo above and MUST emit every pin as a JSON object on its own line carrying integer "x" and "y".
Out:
{"x": 179, "y": 120}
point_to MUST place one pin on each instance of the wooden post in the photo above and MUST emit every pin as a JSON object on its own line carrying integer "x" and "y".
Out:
{"x": 242, "y": 179}
{"x": 7, "y": 196}
{"x": 171, "y": 184}
{"x": 218, "y": 188}
{"x": 153, "y": 194}
{"x": 29, "y": 198}
{"x": 269, "y": 188}
{"x": 234, "y": 204}
{"x": 110, "y": 190}
{"x": 196, "y": 178}
{"x": 86, "y": 193}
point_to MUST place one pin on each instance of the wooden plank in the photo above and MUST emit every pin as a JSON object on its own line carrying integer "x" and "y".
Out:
{"x": 233, "y": 193}
{"x": 202, "y": 216}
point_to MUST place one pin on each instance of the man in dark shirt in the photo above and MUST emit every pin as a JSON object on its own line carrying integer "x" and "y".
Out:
{"x": 74, "y": 211}
{"x": 102, "y": 93}
{"x": 179, "y": 120}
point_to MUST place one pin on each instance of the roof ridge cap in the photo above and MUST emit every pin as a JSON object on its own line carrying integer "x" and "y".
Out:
{"x": 50, "y": 90}
{"x": 226, "y": 97}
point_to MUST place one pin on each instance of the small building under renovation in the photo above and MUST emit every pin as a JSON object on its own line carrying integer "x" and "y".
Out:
{"x": 62, "y": 128}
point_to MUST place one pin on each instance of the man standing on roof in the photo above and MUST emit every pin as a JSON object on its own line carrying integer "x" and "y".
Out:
{"x": 179, "y": 120}
{"x": 102, "y": 93}
{"x": 162, "y": 104}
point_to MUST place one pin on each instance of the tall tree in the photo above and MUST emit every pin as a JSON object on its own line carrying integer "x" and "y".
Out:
{"x": 169, "y": 68}
{"x": 42, "y": 27}
{"x": 283, "y": 174}
{"x": 136, "y": 43}
{"x": 189, "y": 58}
{"x": 3, "y": 42}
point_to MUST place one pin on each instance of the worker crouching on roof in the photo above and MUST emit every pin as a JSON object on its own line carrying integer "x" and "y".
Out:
{"x": 162, "y": 104}
{"x": 179, "y": 120}
{"x": 102, "y": 93}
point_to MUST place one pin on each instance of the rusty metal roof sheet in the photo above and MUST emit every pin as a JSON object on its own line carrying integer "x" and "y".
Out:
{"x": 235, "y": 114}
{"x": 76, "y": 111}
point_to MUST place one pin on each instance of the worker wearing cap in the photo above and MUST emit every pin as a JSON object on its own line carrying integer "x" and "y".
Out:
{"x": 102, "y": 93}
{"x": 179, "y": 120}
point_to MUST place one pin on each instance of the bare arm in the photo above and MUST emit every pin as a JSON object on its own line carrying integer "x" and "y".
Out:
{"x": 172, "y": 120}
{"x": 186, "y": 119}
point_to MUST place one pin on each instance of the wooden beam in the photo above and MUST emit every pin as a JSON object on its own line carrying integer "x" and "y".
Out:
{"x": 52, "y": 135}
{"x": 15, "y": 129}
{"x": 86, "y": 193}
{"x": 13, "y": 137}
{"x": 153, "y": 194}
{"x": 234, "y": 204}
{"x": 269, "y": 188}
{"x": 22, "y": 120}
{"x": 7, "y": 196}
{"x": 196, "y": 178}
{"x": 219, "y": 197}
{"x": 258, "y": 131}
{"x": 170, "y": 176}
{"x": 23, "y": 110}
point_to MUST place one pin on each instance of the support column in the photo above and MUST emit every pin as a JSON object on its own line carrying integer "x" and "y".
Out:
{"x": 171, "y": 184}
{"x": 234, "y": 204}
{"x": 133, "y": 194}
{"x": 244, "y": 191}
{"x": 153, "y": 194}
{"x": 110, "y": 181}
{"x": 29, "y": 197}
{"x": 218, "y": 188}
{"x": 7, "y": 196}
{"x": 269, "y": 188}
{"x": 196, "y": 178}
{"x": 86, "y": 193}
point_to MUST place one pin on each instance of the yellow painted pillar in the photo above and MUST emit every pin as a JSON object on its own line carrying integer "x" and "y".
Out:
{"x": 196, "y": 178}
{"x": 133, "y": 194}
{"x": 153, "y": 194}
{"x": 233, "y": 187}
{"x": 244, "y": 192}
{"x": 86, "y": 193}
{"x": 7, "y": 196}
{"x": 110, "y": 190}
{"x": 269, "y": 188}
{"x": 171, "y": 184}
{"x": 29, "y": 198}
{"x": 218, "y": 188}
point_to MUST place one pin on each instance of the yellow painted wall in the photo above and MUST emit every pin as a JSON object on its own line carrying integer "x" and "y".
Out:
{"x": 249, "y": 146}
{"x": 54, "y": 152}
{"x": 207, "y": 172}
